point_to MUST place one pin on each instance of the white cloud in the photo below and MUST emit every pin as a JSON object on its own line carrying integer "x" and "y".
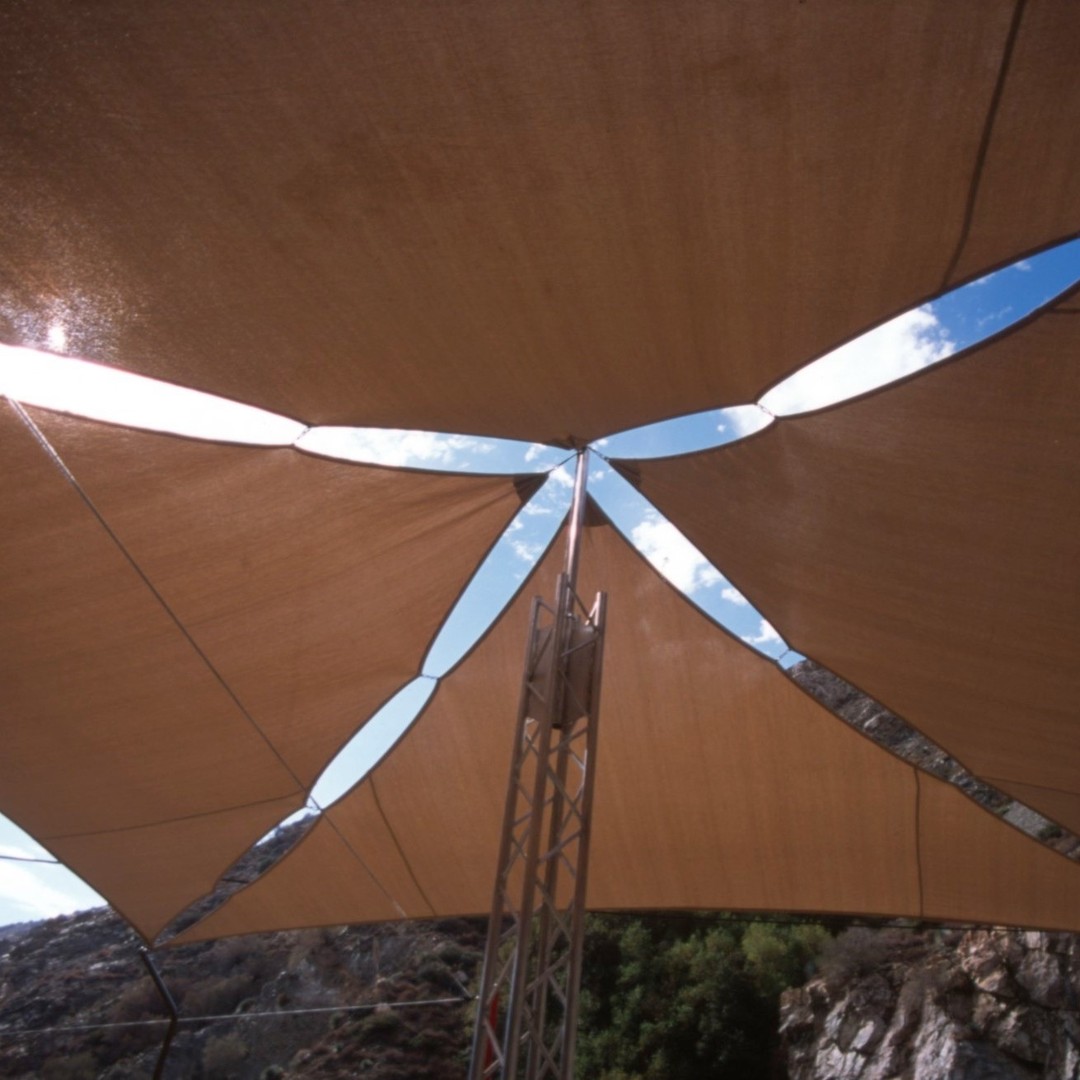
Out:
{"x": 1023, "y": 264}
{"x": 708, "y": 575}
{"x": 535, "y": 451}
{"x": 766, "y": 635}
{"x": 994, "y": 317}
{"x": 562, "y": 476}
{"x": 733, "y": 596}
{"x": 36, "y": 890}
{"x": 673, "y": 555}
{"x": 386, "y": 446}
{"x": 26, "y": 894}
{"x": 897, "y": 348}
{"x": 742, "y": 420}
{"x": 528, "y": 552}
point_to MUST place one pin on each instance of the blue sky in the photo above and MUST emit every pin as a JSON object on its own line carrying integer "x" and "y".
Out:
{"x": 909, "y": 343}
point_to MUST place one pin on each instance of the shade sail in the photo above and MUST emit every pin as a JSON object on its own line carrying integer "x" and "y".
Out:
{"x": 1039, "y": 81}
{"x": 206, "y": 644}
{"x": 547, "y": 223}
{"x": 720, "y": 784}
{"x": 314, "y": 587}
{"x": 601, "y": 215}
{"x": 924, "y": 543}
{"x": 152, "y": 872}
{"x": 973, "y": 862}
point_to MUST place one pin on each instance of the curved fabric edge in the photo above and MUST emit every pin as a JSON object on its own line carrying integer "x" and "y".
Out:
{"x": 149, "y": 874}
{"x": 629, "y": 468}
{"x": 404, "y": 886}
{"x": 773, "y": 485}
{"x": 656, "y": 799}
{"x": 291, "y": 573}
{"x": 974, "y": 859}
{"x": 143, "y": 738}
{"x": 1047, "y": 307}
{"x": 496, "y": 164}
{"x": 527, "y": 485}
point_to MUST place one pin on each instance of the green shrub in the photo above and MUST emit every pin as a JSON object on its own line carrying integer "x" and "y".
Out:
{"x": 781, "y": 956}
{"x": 671, "y": 999}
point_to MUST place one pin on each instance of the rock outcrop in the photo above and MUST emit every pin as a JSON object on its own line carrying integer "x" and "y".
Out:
{"x": 929, "y": 1005}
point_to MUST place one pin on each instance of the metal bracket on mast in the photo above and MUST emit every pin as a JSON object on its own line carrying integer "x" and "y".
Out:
{"x": 527, "y": 1007}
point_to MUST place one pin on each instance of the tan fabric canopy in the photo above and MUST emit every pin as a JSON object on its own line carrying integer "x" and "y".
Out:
{"x": 550, "y": 223}
{"x": 720, "y": 784}
{"x": 924, "y": 544}
{"x": 151, "y": 873}
{"x": 205, "y": 646}
{"x": 446, "y": 217}
{"x": 1038, "y": 88}
{"x": 313, "y": 586}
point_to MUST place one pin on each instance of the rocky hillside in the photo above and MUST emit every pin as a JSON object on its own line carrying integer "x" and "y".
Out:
{"x": 287, "y": 1003}
{"x": 891, "y": 1003}
{"x": 964, "y": 1005}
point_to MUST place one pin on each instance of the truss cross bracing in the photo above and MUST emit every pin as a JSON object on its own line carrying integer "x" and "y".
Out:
{"x": 527, "y": 1007}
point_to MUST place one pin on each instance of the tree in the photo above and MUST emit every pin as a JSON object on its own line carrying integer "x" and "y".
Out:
{"x": 685, "y": 998}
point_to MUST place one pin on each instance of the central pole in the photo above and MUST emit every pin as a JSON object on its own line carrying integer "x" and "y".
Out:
{"x": 577, "y": 518}
{"x": 527, "y": 1006}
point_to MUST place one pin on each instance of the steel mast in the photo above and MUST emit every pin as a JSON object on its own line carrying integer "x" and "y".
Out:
{"x": 527, "y": 1008}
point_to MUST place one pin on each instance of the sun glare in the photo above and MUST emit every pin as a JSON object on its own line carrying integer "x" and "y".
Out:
{"x": 97, "y": 392}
